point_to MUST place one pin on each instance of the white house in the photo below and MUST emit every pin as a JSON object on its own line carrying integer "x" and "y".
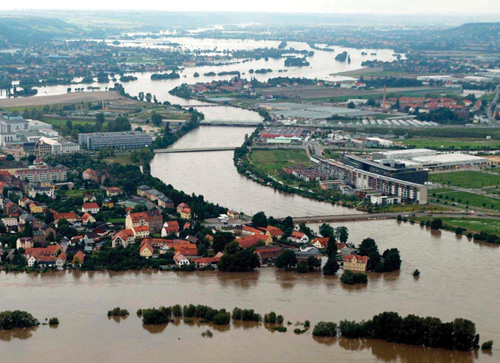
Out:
{"x": 31, "y": 261}
{"x": 92, "y": 208}
{"x": 180, "y": 259}
{"x": 298, "y": 237}
{"x": 141, "y": 232}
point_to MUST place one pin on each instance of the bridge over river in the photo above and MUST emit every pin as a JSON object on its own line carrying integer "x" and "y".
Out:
{"x": 193, "y": 150}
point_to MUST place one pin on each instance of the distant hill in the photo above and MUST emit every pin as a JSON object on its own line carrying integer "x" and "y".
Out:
{"x": 24, "y": 30}
{"x": 472, "y": 31}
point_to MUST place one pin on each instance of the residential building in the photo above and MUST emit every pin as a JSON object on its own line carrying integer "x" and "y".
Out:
{"x": 87, "y": 219}
{"x": 146, "y": 250}
{"x": 180, "y": 259}
{"x": 273, "y": 232}
{"x": 320, "y": 242}
{"x": 355, "y": 263}
{"x": 89, "y": 174}
{"x": 305, "y": 252}
{"x": 37, "y": 207}
{"x": 37, "y": 174}
{"x": 25, "y": 242}
{"x": 298, "y": 237}
{"x": 90, "y": 207}
{"x": 35, "y": 190}
{"x": 113, "y": 191}
{"x": 170, "y": 227}
{"x": 268, "y": 254}
{"x": 78, "y": 258}
{"x": 141, "y": 232}
{"x": 108, "y": 203}
{"x": 153, "y": 219}
{"x": 123, "y": 238}
{"x": 186, "y": 213}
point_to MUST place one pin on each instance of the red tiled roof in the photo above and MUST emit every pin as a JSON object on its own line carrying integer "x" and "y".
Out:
{"x": 297, "y": 235}
{"x": 249, "y": 241}
{"x": 360, "y": 259}
{"x": 323, "y": 241}
{"x": 139, "y": 229}
{"x": 124, "y": 234}
{"x": 273, "y": 231}
{"x": 90, "y": 205}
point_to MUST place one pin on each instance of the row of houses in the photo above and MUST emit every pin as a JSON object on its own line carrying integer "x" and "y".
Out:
{"x": 155, "y": 196}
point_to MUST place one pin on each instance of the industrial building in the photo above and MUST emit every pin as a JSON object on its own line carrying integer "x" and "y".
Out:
{"x": 370, "y": 180}
{"x": 429, "y": 159}
{"x": 392, "y": 169}
{"x": 115, "y": 140}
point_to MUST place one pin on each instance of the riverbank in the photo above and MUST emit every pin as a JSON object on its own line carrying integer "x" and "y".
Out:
{"x": 259, "y": 174}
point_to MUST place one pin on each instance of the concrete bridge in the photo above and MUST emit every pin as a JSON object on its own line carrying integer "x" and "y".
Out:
{"x": 230, "y": 124}
{"x": 194, "y": 150}
{"x": 204, "y": 105}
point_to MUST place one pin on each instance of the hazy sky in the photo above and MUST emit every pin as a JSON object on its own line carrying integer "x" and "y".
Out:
{"x": 442, "y": 7}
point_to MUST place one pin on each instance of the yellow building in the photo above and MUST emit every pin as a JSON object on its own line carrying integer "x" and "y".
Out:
{"x": 355, "y": 263}
{"x": 37, "y": 208}
{"x": 146, "y": 250}
{"x": 186, "y": 213}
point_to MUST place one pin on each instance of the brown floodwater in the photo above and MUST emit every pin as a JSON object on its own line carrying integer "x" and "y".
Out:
{"x": 459, "y": 279}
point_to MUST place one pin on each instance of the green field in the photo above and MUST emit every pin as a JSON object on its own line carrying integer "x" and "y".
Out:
{"x": 466, "y": 179}
{"x": 472, "y": 224}
{"x": 78, "y": 193}
{"x": 461, "y": 198}
{"x": 123, "y": 159}
{"x": 442, "y": 143}
{"x": 62, "y": 122}
{"x": 272, "y": 161}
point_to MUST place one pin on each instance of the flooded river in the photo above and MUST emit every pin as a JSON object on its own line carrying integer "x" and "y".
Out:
{"x": 458, "y": 280}
{"x": 213, "y": 175}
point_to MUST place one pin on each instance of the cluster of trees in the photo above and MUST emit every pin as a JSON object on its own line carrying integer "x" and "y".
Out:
{"x": 142, "y": 156}
{"x": 17, "y": 319}
{"x": 353, "y": 278}
{"x": 415, "y": 330}
{"x": 164, "y": 314}
{"x": 128, "y": 78}
{"x": 445, "y": 116}
{"x": 160, "y": 76}
{"x": 342, "y": 234}
{"x": 118, "y": 312}
{"x": 296, "y": 62}
{"x": 325, "y": 329}
{"x": 248, "y": 315}
{"x": 169, "y": 137}
{"x": 272, "y": 318}
{"x": 342, "y": 57}
{"x": 389, "y": 261}
{"x": 288, "y": 259}
{"x": 237, "y": 259}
